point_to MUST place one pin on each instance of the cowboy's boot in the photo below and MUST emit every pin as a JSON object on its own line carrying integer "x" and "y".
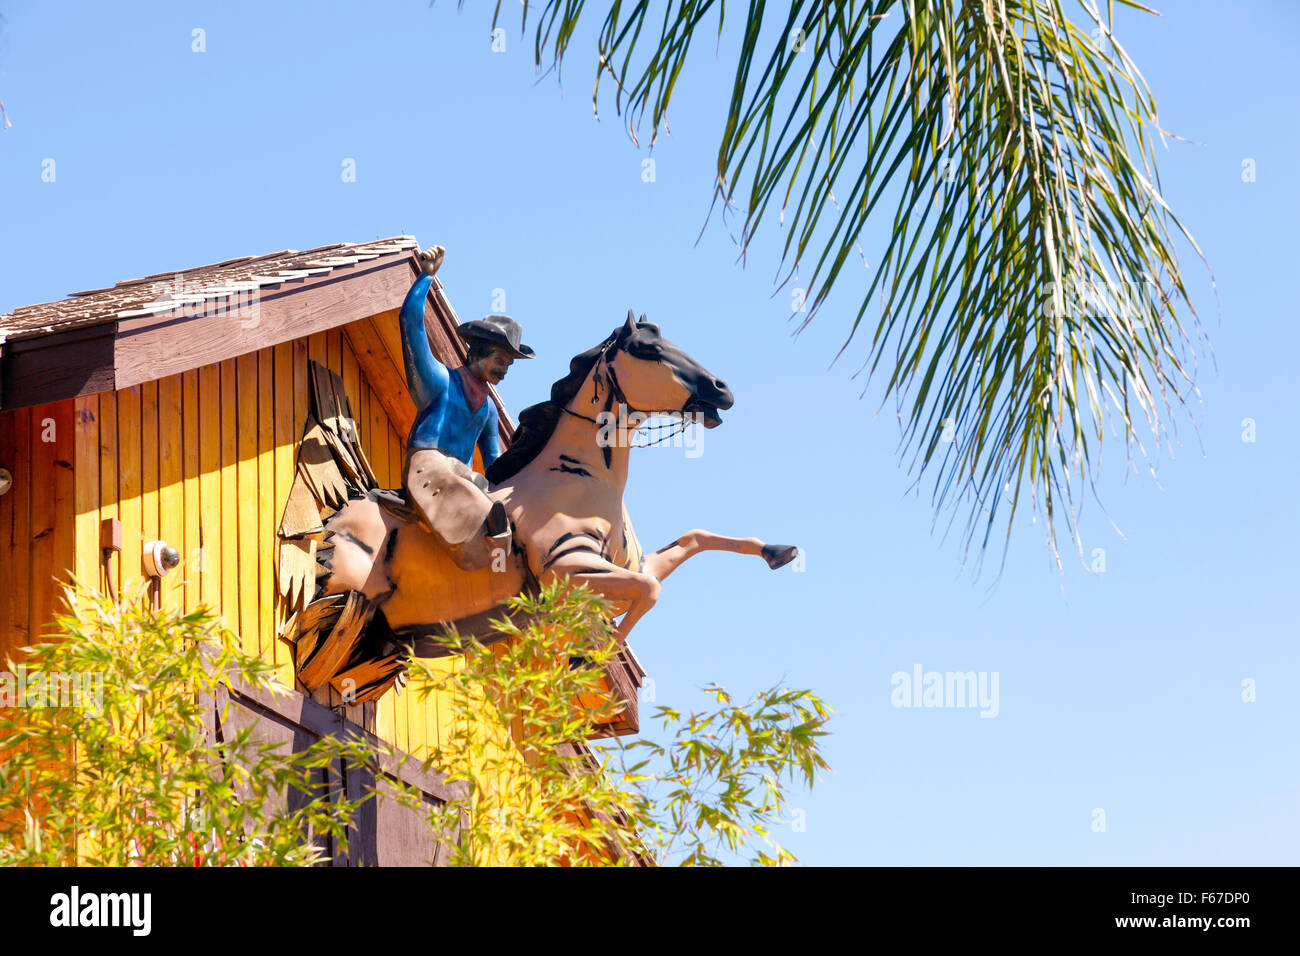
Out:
{"x": 497, "y": 534}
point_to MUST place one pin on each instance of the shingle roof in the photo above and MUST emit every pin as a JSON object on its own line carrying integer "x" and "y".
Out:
{"x": 165, "y": 291}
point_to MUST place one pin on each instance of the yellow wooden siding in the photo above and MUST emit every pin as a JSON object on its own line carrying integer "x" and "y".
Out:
{"x": 149, "y": 468}
{"x": 268, "y": 507}
{"x": 192, "y": 488}
{"x": 283, "y": 453}
{"x": 86, "y": 478}
{"x": 204, "y": 564}
{"x": 192, "y": 459}
{"x": 37, "y": 521}
{"x": 228, "y": 513}
{"x": 108, "y": 481}
{"x": 129, "y": 504}
{"x": 171, "y": 475}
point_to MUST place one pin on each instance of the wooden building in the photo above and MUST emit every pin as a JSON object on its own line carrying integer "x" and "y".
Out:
{"x": 173, "y": 406}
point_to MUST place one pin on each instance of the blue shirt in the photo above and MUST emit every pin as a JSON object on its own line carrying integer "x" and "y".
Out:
{"x": 444, "y": 420}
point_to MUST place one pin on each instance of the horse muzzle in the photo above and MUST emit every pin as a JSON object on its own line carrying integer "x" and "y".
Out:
{"x": 710, "y": 398}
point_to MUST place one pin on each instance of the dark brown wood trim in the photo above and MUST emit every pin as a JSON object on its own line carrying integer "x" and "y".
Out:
{"x": 120, "y": 352}
{"x": 582, "y": 750}
{"x": 295, "y": 708}
{"x": 60, "y": 365}
{"x": 623, "y": 686}
{"x": 386, "y": 830}
{"x": 152, "y": 347}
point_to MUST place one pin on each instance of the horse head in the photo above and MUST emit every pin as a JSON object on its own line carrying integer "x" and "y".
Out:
{"x": 651, "y": 375}
{"x": 635, "y": 366}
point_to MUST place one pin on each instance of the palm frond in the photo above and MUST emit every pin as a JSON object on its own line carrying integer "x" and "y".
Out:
{"x": 1029, "y": 291}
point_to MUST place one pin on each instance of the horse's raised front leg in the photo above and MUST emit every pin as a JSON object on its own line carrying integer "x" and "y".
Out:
{"x": 632, "y": 592}
{"x": 667, "y": 559}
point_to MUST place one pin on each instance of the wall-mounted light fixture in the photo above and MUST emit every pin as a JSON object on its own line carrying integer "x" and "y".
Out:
{"x": 160, "y": 558}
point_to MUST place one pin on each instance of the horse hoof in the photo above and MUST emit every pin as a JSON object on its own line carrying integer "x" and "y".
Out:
{"x": 779, "y": 555}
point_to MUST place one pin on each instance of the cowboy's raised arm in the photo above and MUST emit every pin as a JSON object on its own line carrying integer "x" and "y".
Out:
{"x": 426, "y": 377}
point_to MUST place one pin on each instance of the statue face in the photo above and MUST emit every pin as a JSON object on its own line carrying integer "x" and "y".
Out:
{"x": 492, "y": 368}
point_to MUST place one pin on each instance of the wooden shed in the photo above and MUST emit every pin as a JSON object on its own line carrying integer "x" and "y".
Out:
{"x": 172, "y": 406}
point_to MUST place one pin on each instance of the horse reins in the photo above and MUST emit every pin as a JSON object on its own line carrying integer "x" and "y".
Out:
{"x": 616, "y": 394}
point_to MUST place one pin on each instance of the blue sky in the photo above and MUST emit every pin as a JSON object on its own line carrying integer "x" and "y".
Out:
{"x": 1119, "y": 690}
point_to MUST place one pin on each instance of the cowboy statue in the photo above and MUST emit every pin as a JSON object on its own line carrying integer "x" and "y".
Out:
{"x": 455, "y": 415}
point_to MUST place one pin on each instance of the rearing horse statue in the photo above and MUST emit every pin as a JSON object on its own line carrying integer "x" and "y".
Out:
{"x": 382, "y": 573}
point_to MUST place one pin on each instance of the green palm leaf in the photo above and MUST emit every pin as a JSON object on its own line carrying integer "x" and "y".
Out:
{"x": 1029, "y": 291}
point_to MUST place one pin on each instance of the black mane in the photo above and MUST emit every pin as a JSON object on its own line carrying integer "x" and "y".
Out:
{"x": 537, "y": 422}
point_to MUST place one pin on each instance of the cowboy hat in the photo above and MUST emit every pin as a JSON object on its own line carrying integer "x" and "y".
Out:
{"x": 498, "y": 330}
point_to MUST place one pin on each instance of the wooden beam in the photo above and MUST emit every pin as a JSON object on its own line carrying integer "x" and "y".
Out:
{"x": 119, "y": 353}
{"x": 621, "y": 684}
{"x": 295, "y": 708}
{"x": 130, "y": 351}
{"x": 378, "y": 367}
{"x": 57, "y": 366}
{"x": 149, "y": 347}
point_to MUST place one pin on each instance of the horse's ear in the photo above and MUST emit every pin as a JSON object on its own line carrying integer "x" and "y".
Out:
{"x": 641, "y": 321}
{"x": 629, "y": 328}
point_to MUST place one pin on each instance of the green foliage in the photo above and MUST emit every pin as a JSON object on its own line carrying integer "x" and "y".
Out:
{"x": 722, "y": 779}
{"x": 1028, "y": 289}
{"x": 137, "y": 777}
{"x": 718, "y": 787}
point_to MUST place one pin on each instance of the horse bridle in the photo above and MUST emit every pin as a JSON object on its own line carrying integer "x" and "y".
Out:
{"x": 615, "y": 390}
{"x": 616, "y": 394}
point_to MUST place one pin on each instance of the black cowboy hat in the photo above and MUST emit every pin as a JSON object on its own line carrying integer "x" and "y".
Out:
{"x": 498, "y": 330}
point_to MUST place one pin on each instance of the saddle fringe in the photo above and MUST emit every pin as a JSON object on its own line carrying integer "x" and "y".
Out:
{"x": 328, "y": 632}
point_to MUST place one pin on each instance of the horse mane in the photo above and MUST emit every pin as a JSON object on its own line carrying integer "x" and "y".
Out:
{"x": 537, "y": 422}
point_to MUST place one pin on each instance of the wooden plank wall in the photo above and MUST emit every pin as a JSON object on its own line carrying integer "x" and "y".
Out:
{"x": 204, "y": 460}
{"x": 37, "y": 446}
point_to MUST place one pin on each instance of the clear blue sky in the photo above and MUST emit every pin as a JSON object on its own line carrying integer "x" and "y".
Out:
{"x": 1118, "y": 690}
